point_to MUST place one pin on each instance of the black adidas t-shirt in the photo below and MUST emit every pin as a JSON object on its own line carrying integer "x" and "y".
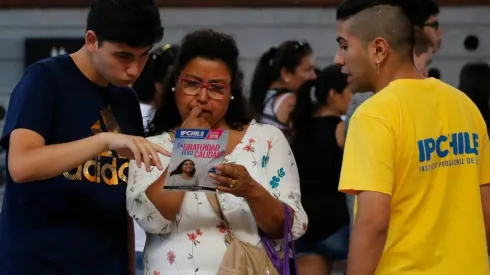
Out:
{"x": 75, "y": 223}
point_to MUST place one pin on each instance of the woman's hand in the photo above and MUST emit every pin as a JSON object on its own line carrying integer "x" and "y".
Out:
{"x": 193, "y": 121}
{"x": 234, "y": 179}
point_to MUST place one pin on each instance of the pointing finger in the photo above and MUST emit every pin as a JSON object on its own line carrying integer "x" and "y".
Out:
{"x": 162, "y": 150}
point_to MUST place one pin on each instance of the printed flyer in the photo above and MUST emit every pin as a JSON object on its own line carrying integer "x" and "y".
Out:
{"x": 194, "y": 155}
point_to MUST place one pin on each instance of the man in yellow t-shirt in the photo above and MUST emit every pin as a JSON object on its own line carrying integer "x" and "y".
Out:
{"x": 422, "y": 167}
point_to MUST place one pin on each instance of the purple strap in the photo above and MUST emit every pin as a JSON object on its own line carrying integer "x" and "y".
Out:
{"x": 281, "y": 264}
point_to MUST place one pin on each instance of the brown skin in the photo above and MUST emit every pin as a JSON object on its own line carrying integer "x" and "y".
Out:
{"x": 113, "y": 62}
{"x": 370, "y": 230}
{"x": 202, "y": 112}
{"x": 423, "y": 61}
{"x": 360, "y": 61}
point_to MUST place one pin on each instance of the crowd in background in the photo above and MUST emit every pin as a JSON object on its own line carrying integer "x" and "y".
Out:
{"x": 310, "y": 106}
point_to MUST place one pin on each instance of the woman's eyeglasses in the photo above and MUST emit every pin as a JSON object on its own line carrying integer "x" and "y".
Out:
{"x": 194, "y": 87}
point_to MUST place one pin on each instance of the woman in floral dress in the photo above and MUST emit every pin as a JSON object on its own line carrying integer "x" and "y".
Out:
{"x": 185, "y": 234}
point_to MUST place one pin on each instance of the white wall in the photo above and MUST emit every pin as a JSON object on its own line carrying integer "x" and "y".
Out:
{"x": 255, "y": 30}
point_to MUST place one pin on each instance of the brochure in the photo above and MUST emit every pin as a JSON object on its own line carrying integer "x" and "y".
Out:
{"x": 195, "y": 153}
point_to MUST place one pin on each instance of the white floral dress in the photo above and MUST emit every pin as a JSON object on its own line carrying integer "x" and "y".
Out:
{"x": 194, "y": 243}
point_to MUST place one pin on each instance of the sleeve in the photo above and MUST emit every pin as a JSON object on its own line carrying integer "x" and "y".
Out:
{"x": 485, "y": 160}
{"x": 138, "y": 204}
{"x": 283, "y": 177}
{"x": 32, "y": 104}
{"x": 368, "y": 162}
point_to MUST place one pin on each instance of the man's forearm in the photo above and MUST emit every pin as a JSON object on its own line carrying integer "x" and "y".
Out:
{"x": 365, "y": 250}
{"x": 52, "y": 160}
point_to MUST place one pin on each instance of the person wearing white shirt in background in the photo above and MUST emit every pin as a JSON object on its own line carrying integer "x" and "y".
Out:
{"x": 149, "y": 88}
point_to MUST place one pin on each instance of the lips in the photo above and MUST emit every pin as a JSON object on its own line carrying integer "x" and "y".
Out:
{"x": 349, "y": 79}
{"x": 204, "y": 113}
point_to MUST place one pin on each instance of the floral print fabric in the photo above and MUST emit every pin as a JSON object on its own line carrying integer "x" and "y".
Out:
{"x": 194, "y": 243}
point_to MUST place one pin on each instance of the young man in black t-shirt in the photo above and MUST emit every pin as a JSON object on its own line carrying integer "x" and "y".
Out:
{"x": 71, "y": 127}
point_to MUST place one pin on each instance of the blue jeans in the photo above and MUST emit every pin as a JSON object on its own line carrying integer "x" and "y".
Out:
{"x": 350, "y": 206}
{"x": 334, "y": 247}
{"x": 139, "y": 263}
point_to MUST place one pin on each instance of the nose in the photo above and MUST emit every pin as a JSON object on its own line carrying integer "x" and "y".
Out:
{"x": 133, "y": 70}
{"x": 313, "y": 75}
{"x": 339, "y": 59}
{"x": 203, "y": 96}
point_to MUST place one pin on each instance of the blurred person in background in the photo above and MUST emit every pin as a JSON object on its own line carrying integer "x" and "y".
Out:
{"x": 69, "y": 117}
{"x": 423, "y": 199}
{"x": 149, "y": 85}
{"x": 474, "y": 81}
{"x": 422, "y": 52}
{"x": 149, "y": 88}
{"x": 276, "y": 78}
{"x": 426, "y": 17}
{"x": 185, "y": 234}
{"x": 317, "y": 143}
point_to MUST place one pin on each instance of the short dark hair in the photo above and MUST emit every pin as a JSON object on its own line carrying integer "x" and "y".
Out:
{"x": 210, "y": 45}
{"x": 288, "y": 55}
{"x": 381, "y": 18}
{"x": 156, "y": 69}
{"x": 135, "y": 23}
{"x": 427, "y": 8}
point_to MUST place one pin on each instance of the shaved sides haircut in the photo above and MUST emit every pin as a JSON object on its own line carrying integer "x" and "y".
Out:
{"x": 372, "y": 19}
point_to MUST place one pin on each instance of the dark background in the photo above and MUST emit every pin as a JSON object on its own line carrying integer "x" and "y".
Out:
{"x": 36, "y": 49}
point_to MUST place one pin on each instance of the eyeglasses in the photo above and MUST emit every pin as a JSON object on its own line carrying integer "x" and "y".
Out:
{"x": 194, "y": 87}
{"x": 434, "y": 25}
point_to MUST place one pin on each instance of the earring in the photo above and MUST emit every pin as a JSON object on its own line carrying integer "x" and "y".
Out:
{"x": 173, "y": 89}
{"x": 377, "y": 66}
{"x": 232, "y": 97}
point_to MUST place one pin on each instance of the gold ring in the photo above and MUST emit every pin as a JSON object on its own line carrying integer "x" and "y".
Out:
{"x": 232, "y": 184}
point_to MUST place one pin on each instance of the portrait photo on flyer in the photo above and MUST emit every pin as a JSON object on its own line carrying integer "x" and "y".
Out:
{"x": 195, "y": 154}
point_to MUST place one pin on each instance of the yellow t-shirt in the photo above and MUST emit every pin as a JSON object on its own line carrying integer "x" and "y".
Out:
{"x": 426, "y": 145}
